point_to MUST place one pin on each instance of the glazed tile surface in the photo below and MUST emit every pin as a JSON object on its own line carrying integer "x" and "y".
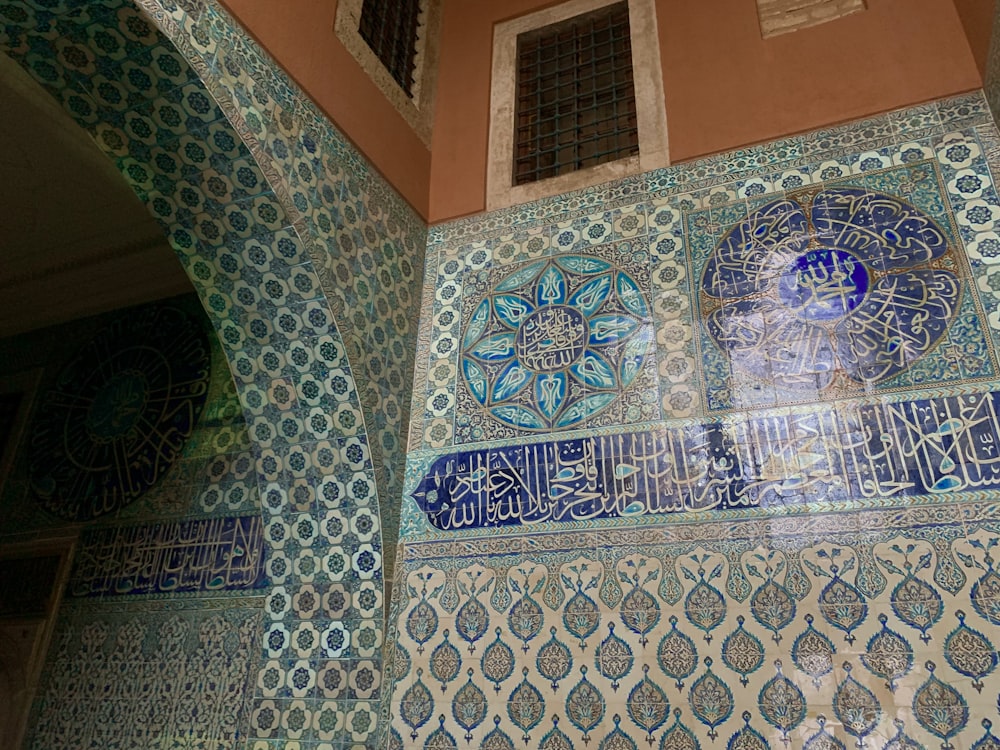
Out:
{"x": 789, "y": 536}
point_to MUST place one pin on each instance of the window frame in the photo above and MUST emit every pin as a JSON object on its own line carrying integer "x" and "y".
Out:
{"x": 647, "y": 74}
{"x": 417, "y": 107}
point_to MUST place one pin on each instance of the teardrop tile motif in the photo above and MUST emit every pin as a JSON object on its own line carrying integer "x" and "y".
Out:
{"x": 417, "y": 705}
{"x": 677, "y": 655}
{"x": 614, "y": 658}
{"x": 747, "y": 738}
{"x": 710, "y": 699}
{"x": 525, "y": 706}
{"x": 497, "y": 739}
{"x": 986, "y": 596}
{"x": 640, "y": 612}
{"x": 581, "y": 617}
{"x": 554, "y": 660}
{"x": 813, "y": 652}
{"x": 843, "y": 606}
{"x": 469, "y": 707}
{"x": 446, "y": 661}
{"x": 422, "y": 624}
{"x": 705, "y": 607}
{"x": 617, "y": 739}
{"x": 742, "y": 652}
{"x": 939, "y": 708}
{"x": 555, "y": 738}
{"x": 902, "y": 741}
{"x": 472, "y": 621}
{"x": 823, "y": 740}
{"x": 678, "y": 736}
{"x": 395, "y": 739}
{"x": 440, "y": 738}
{"x": 585, "y": 705}
{"x": 773, "y": 607}
{"x": 970, "y": 653}
{"x": 647, "y": 705}
{"x": 988, "y": 741}
{"x": 781, "y": 703}
{"x": 917, "y": 603}
{"x": 525, "y": 620}
{"x": 856, "y": 707}
{"x": 888, "y": 655}
{"x": 497, "y": 662}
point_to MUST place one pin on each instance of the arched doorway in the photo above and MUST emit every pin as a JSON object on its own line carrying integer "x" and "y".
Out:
{"x": 306, "y": 264}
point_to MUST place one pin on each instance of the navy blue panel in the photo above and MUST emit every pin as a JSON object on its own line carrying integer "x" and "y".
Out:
{"x": 845, "y": 453}
{"x": 207, "y": 555}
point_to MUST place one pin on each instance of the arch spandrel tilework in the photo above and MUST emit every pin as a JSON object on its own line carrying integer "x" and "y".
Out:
{"x": 305, "y": 263}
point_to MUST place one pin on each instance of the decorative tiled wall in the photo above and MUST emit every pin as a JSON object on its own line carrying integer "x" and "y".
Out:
{"x": 176, "y": 674}
{"x": 705, "y": 458}
{"x": 307, "y": 263}
{"x": 158, "y": 636}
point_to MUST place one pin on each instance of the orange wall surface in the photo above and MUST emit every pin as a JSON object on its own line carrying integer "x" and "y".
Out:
{"x": 299, "y": 35}
{"x": 725, "y": 86}
{"x": 977, "y": 19}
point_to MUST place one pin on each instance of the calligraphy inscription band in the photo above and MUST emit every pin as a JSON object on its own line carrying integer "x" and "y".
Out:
{"x": 209, "y": 555}
{"x": 853, "y": 452}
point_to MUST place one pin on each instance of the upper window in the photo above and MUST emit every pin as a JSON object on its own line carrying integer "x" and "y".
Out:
{"x": 575, "y": 96}
{"x": 395, "y": 43}
{"x": 390, "y": 29}
{"x": 576, "y": 99}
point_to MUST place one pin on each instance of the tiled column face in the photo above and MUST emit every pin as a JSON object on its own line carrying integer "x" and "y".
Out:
{"x": 284, "y": 231}
{"x": 707, "y": 457}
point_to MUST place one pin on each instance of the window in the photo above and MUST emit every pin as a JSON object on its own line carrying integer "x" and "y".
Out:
{"x": 782, "y": 16}
{"x": 575, "y": 103}
{"x": 390, "y": 29}
{"x": 577, "y": 99}
{"x": 395, "y": 43}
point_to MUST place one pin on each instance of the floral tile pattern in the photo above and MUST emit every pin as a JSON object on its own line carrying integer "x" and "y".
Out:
{"x": 132, "y": 677}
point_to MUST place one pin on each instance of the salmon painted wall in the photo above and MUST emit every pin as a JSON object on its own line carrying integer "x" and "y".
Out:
{"x": 725, "y": 87}
{"x": 299, "y": 35}
{"x": 977, "y": 19}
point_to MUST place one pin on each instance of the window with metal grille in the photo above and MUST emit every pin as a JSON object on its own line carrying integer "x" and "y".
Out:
{"x": 389, "y": 27}
{"x": 575, "y": 103}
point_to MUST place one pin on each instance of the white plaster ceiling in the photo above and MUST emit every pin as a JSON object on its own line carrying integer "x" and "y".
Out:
{"x": 74, "y": 238}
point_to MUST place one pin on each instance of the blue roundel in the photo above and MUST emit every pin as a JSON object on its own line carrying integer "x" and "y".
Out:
{"x": 556, "y": 342}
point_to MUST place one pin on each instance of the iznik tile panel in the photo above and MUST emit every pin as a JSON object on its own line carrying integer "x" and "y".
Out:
{"x": 788, "y": 537}
{"x": 857, "y": 453}
{"x": 212, "y": 555}
{"x": 181, "y": 676}
{"x": 837, "y": 289}
{"x": 874, "y": 630}
{"x": 557, "y": 343}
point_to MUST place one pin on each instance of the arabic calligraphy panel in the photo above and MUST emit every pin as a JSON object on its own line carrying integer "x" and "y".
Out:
{"x": 834, "y": 290}
{"x": 556, "y": 344}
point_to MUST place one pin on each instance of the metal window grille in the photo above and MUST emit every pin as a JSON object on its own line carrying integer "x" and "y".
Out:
{"x": 389, "y": 27}
{"x": 575, "y": 97}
